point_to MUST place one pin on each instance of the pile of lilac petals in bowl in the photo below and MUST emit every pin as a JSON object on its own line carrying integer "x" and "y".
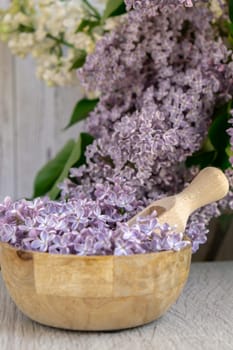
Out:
{"x": 81, "y": 227}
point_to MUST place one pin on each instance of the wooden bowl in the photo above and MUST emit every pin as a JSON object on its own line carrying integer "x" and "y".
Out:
{"x": 94, "y": 292}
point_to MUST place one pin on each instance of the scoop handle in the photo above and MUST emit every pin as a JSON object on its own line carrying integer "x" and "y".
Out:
{"x": 208, "y": 186}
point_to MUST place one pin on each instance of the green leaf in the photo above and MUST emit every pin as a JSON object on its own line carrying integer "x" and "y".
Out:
{"x": 79, "y": 60}
{"x": 48, "y": 175}
{"x": 222, "y": 161}
{"x": 229, "y": 151}
{"x": 219, "y": 137}
{"x": 76, "y": 158}
{"x": 87, "y": 139}
{"x": 119, "y": 11}
{"x": 114, "y": 8}
{"x": 225, "y": 220}
{"x": 215, "y": 150}
{"x": 81, "y": 110}
{"x": 218, "y": 129}
{"x": 231, "y": 10}
{"x": 92, "y": 9}
{"x": 87, "y": 25}
{"x": 230, "y": 27}
{"x": 203, "y": 159}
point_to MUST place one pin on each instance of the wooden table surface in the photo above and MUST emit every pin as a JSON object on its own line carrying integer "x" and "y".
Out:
{"x": 201, "y": 319}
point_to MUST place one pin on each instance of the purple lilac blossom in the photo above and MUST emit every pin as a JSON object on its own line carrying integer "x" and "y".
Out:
{"x": 145, "y": 4}
{"x": 95, "y": 233}
{"x": 160, "y": 78}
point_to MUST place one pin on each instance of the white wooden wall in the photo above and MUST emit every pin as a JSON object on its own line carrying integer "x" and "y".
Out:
{"x": 31, "y": 120}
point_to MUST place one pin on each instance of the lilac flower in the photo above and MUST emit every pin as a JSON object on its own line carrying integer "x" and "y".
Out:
{"x": 145, "y": 4}
{"x": 146, "y": 227}
{"x": 61, "y": 244}
{"x": 30, "y": 223}
{"x": 86, "y": 246}
{"x": 97, "y": 237}
{"x": 5, "y": 205}
{"x": 160, "y": 76}
{"x": 42, "y": 242}
{"x": 8, "y": 234}
{"x": 144, "y": 144}
{"x": 152, "y": 5}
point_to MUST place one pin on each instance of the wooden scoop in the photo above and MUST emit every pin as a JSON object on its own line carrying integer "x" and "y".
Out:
{"x": 208, "y": 186}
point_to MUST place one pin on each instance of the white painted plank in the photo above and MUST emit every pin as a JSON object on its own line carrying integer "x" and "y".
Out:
{"x": 42, "y": 113}
{"x": 4, "y": 4}
{"x": 64, "y": 102}
{"x": 200, "y": 320}
{"x": 35, "y": 124}
{"x": 7, "y": 118}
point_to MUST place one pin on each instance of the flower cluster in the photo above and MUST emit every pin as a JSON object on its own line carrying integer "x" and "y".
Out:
{"x": 160, "y": 78}
{"x": 144, "y": 4}
{"x": 82, "y": 227}
{"x": 53, "y": 32}
{"x": 219, "y": 8}
{"x": 168, "y": 53}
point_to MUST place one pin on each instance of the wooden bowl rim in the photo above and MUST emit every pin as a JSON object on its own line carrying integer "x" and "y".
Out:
{"x": 91, "y": 257}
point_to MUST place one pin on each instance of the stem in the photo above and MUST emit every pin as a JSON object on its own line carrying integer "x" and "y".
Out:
{"x": 92, "y": 8}
{"x": 60, "y": 41}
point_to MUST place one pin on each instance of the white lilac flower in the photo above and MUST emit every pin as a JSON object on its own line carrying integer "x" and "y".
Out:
{"x": 48, "y": 31}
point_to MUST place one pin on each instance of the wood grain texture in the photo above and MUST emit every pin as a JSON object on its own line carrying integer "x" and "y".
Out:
{"x": 32, "y": 117}
{"x": 65, "y": 99}
{"x": 200, "y": 320}
{"x": 4, "y": 4}
{"x": 94, "y": 293}
{"x": 41, "y": 114}
{"x": 7, "y": 122}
